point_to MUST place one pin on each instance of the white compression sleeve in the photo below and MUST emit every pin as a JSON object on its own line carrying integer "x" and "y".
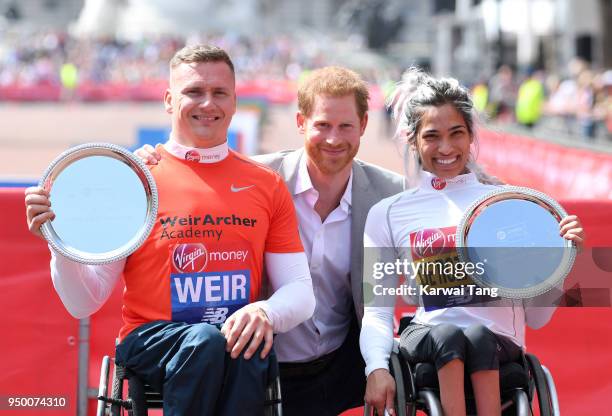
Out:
{"x": 376, "y": 337}
{"x": 83, "y": 288}
{"x": 292, "y": 301}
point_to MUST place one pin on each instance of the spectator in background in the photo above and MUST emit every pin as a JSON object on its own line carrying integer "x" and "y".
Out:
{"x": 603, "y": 102}
{"x": 585, "y": 105}
{"x": 530, "y": 100}
{"x": 69, "y": 77}
{"x": 502, "y": 94}
{"x": 480, "y": 96}
{"x": 562, "y": 95}
{"x": 387, "y": 87}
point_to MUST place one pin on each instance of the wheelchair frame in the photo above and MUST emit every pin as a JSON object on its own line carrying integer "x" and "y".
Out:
{"x": 409, "y": 399}
{"x": 141, "y": 397}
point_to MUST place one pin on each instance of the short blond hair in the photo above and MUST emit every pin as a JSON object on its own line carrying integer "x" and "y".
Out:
{"x": 333, "y": 81}
{"x": 200, "y": 53}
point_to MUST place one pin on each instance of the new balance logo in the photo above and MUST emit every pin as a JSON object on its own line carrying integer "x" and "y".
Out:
{"x": 215, "y": 316}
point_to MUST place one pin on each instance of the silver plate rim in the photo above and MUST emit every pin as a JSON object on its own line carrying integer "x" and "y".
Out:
{"x": 107, "y": 149}
{"x": 505, "y": 193}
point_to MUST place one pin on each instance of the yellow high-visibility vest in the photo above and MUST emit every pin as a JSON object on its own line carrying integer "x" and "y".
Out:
{"x": 529, "y": 101}
{"x": 69, "y": 76}
{"x": 480, "y": 97}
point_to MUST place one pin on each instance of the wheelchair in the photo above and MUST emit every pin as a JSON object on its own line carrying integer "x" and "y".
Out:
{"x": 141, "y": 397}
{"x": 417, "y": 386}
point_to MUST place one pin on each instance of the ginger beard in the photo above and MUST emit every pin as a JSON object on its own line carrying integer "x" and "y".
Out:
{"x": 333, "y": 132}
{"x": 330, "y": 160}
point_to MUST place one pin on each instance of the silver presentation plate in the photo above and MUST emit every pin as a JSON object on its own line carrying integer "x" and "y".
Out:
{"x": 105, "y": 201}
{"x": 513, "y": 234}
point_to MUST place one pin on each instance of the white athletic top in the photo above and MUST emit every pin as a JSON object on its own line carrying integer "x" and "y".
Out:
{"x": 420, "y": 224}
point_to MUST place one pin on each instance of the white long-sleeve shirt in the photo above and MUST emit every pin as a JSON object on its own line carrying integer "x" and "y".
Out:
{"x": 421, "y": 223}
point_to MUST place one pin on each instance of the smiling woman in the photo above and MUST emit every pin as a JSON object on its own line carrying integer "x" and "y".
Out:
{"x": 443, "y": 141}
{"x": 461, "y": 335}
{"x": 436, "y": 124}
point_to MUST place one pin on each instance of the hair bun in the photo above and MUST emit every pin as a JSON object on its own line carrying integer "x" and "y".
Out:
{"x": 412, "y": 78}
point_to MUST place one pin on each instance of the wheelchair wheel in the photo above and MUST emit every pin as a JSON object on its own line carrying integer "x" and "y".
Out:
{"x": 102, "y": 406}
{"x": 116, "y": 393}
{"x": 136, "y": 392}
{"x": 520, "y": 405}
{"x": 273, "y": 396}
{"x": 400, "y": 392}
{"x": 541, "y": 385}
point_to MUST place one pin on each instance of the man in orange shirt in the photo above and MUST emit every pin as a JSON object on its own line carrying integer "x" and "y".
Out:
{"x": 192, "y": 326}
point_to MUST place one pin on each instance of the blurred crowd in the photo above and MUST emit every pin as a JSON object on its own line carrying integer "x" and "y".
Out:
{"x": 58, "y": 58}
{"x": 577, "y": 104}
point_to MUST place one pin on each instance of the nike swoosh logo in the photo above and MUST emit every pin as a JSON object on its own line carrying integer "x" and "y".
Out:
{"x": 234, "y": 189}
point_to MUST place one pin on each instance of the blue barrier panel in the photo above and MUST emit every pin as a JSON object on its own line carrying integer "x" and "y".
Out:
{"x": 17, "y": 184}
{"x": 232, "y": 140}
{"x": 151, "y": 135}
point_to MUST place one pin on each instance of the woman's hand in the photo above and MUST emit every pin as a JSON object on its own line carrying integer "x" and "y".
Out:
{"x": 380, "y": 391}
{"x": 571, "y": 229}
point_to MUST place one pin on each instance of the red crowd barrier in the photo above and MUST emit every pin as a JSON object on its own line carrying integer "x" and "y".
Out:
{"x": 152, "y": 90}
{"x": 274, "y": 91}
{"x": 39, "y": 355}
{"x": 28, "y": 93}
{"x": 562, "y": 172}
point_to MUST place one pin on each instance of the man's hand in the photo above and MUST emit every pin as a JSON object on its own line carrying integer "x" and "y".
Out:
{"x": 380, "y": 391}
{"x": 38, "y": 208}
{"x": 148, "y": 155}
{"x": 249, "y": 322}
{"x": 571, "y": 229}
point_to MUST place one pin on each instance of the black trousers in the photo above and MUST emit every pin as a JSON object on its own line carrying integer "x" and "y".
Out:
{"x": 329, "y": 390}
{"x": 477, "y": 346}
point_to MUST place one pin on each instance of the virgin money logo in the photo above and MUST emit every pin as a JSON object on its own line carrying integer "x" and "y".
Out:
{"x": 429, "y": 242}
{"x": 438, "y": 183}
{"x": 190, "y": 258}
{"x": 192, "y": 156}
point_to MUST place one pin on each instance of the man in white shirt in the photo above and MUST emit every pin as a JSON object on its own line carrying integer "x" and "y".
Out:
{"x": 322, "y": 371}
